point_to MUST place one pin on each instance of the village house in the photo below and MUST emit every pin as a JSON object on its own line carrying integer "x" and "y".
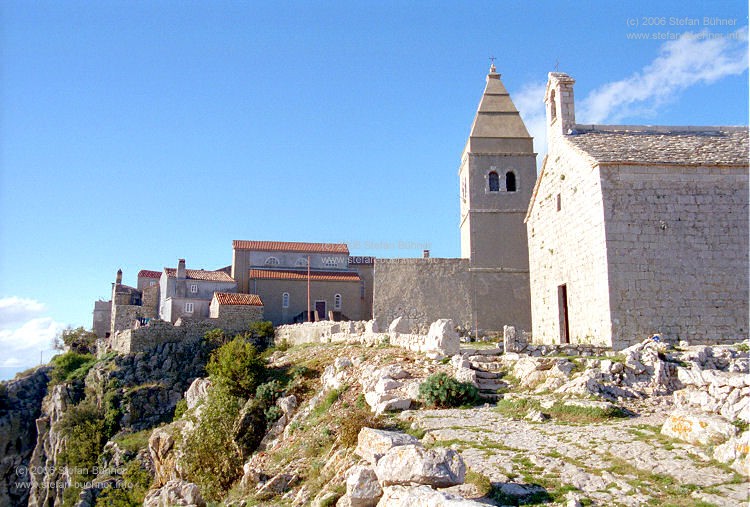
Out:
{"x": 278, "y": 273}
{"x": 187, "y": 293}
{"x": 638, "y": 230}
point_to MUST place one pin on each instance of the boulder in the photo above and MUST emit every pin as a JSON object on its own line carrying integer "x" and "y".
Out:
{"x": 386, "y": 384}
{"x": 175, "y": 492}
{"x": 736, "y": 453}
{"x": 407, "y": 464}
{"x": 442, "y": 337}
{"x": 371, "y": 327}
{"x": 362, "y": 486}
{"x": 372, "y": 444}
{"x": 400, "y": 325}
{"x": 197, "y": 392}
{"x": 697, "y": 428}
{"x": 160, "y": 447}
{"x": 422, "y": 496}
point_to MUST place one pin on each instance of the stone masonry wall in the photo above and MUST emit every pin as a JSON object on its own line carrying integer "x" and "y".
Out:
{"x": 123, "y": 316}
{"x": 677, "y": 246}
{"x": 237, "y": 317}
{"x": 423, "y": 291}
{"x": 567, "y": 247}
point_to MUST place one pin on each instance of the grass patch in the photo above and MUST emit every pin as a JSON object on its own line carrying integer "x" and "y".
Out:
{"x": 585, "y": 415}
{"x": 516, "y": 408}
{"x": 134, "y": 442}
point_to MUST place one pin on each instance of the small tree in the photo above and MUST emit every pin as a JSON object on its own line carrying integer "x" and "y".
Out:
{"x": 76, "y": 340}
{"x": 238, "y": 367}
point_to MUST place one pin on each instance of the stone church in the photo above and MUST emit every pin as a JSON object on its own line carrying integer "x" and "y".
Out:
{"x": 488, "y": 287}
{"x": 638, "y": 230}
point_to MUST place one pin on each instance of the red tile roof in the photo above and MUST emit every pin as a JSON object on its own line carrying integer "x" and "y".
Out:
{"x": 315, "y": 276}
{"x": 147, "y": 273}
{"x": 226, "y": 298}
{"x": 288, "y": 246}
{"x": 199, "y": 274}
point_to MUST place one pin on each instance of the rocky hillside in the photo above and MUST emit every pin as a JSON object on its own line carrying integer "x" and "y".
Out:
{"x": 214, "y": 422}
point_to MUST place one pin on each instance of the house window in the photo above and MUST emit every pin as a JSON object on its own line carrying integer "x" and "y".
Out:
{"x": 272, "y": 261}
{"x": 194, "y": 288}
{"x": 510, "y": 181}
{"x": 285, "y": 300}
{"x": 494, "y": 181}
{"x": 301, "y": 262}
{"x": 188, "y": 307}
{"x": 151, "y": 283}
{"x": 330, "y": 262}
{"x": 337, "y": 302}
{"x": 559, "y": 202}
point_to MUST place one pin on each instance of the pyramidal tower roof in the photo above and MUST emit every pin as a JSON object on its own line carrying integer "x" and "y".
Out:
{"x": 497, "y": 127}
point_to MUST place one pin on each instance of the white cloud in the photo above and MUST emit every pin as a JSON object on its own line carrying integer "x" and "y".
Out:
{"x": 24, "y": 332}
{"x": 682, "y": 63}
{"x": 15, "y": 310}
{"x": 692, "y": 59}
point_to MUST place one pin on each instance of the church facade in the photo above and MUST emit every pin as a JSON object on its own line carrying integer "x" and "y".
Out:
{"x": 638, "y": 230}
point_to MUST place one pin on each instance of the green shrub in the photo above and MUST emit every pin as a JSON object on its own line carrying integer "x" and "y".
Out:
{"x": 262, "y": 330}
{"x": 211, "y": 458}
{"x": 442, "y": 391}
{"x": 215, "y": 337}
{"x": 352, "y": 422}
{"x": 180, "y": 409}
{"x": 71, "y": 366}
{"x": 112, "y": 411}
{"x": 269, "y": 392}
{"x": 82, "y": 426}
{"x": 135, "y": 483}
{"x": 238, "y": 367}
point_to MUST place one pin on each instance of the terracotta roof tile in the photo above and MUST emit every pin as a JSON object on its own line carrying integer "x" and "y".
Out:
{"x": 199, "y": 274}
{"x": 227, "y": 298}
{"x": 288, "y": 246}
{"x": 663, "y": 145}
{"x": 147, "y": 273}
{"x": 315, "y": 276}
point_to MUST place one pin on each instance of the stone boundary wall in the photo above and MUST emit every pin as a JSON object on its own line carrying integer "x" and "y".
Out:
{"x": 157, "y": 332}
{"x": 440, "y": 339}
{"x": 515, "y": 343}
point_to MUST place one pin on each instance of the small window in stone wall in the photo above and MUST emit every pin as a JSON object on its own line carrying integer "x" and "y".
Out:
{"x": 362, "y": 289}
{"x": 337, "y": 302}
{"x": 301, "y": 262}
{"x": 559, "y": 202}
{"x": 194, "y": 288}
{"x": 494, "y": 181}
{"x": 330, "y": 262}
{"x": 189, "y": 308}
{"x": 272, "y": 261}
{"x": 285, "y": 300}
{"x": 510, "y": 181}
{"x": 151, "y": 283}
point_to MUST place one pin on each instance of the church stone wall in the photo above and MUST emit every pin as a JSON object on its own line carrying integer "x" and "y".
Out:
{"x": 677, "y": 240}
{"x": 568, "y": 247}
{"x": 423, "y": 291}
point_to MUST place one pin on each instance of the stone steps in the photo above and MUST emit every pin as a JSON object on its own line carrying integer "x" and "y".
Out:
{"x": 491, "y": 386}
{"x": 481, "y": 352}
{"x": 490, "y": 397}
{"x": 488, "y": 366}
{"x": 484, "y": 374}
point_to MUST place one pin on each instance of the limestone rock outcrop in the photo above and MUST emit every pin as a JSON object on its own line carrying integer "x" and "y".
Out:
{"x": 174, "y": 493}
{"x": 413, "y": 464}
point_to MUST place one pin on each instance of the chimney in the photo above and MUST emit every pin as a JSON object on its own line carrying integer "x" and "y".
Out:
{"x": 425, "y": 254}
{"x": 118, "y": 280}
{"x": 181, "y": 273}
{"x": 561, "y": 116}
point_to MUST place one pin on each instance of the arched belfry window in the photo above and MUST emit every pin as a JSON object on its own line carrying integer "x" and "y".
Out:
{"x": 494, "y": 182}
{"x": 272, "y": 261}
{"x": 510, "y": 181}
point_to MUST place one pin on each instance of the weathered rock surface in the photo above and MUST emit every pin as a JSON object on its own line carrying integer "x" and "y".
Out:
{"x": 362, "y": 487}
{"x": 163, "y": 456}
{"x": 421, "y": 496}
{"x": 20, "y": 406}
{"x": 173, "y": 493}
{"x": 735, "y": 452}
{"x": 197, "y": 392}
{"x": 442, "y": 337}
{"x": 413, "y": 464}
{"x": 373, "y": 444}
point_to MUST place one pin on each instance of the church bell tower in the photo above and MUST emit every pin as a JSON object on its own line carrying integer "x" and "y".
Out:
{"x": 497, "y": 176}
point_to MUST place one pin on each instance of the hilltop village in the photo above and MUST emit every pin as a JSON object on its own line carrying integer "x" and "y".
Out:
{"x": 589, "y": 347}
{"x": 627, "y": 232}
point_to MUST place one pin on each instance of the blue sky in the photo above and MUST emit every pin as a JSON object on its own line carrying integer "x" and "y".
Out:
{"x": 135, "y": 133}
